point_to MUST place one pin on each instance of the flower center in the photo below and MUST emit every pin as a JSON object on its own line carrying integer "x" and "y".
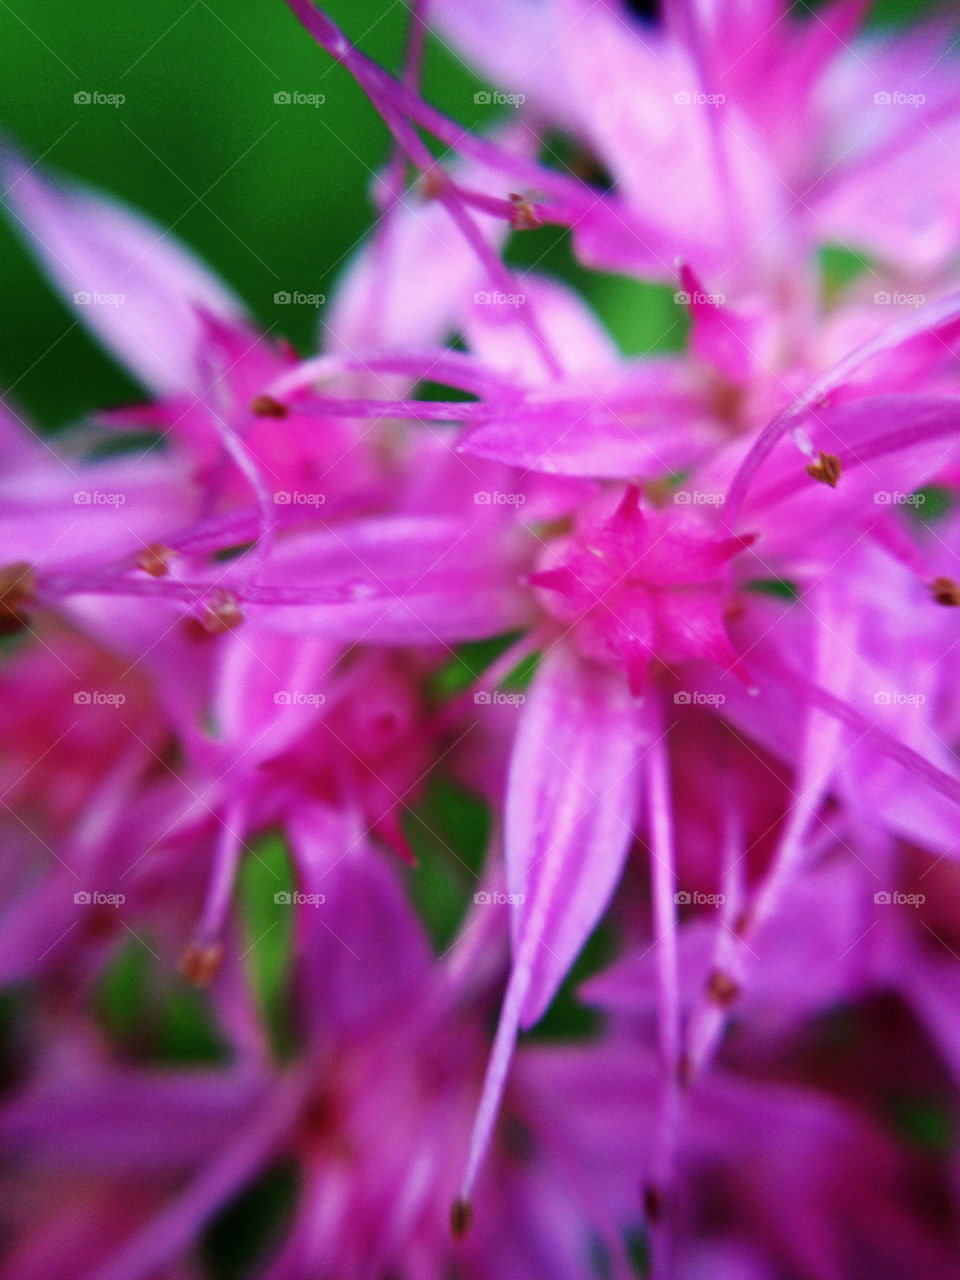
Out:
{"x": 638, "y": 587}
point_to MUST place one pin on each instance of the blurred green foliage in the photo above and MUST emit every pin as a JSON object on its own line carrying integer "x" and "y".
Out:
{"x": 265, "y": 875}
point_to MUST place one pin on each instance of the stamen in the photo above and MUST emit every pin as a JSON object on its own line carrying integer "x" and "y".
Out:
{"x": 202, "y": 958}
{"x": 154, "y": 557}
{"x": 945, "y": 591}
{"x": 201, "y": 962}
{"x": 267, "y": 407}
{"x": 433, "y": 184}
{"x": 220, "y": 612}
{"x": 17, "y": 588}
{"x": 653, "y": 1203}
{"x": 744, "y": 922}
{"x": 523, "y": 216}
{"x": 722, "y": 989}
{"x": 827, "y": 470}
{"x": 461, "y": 1217}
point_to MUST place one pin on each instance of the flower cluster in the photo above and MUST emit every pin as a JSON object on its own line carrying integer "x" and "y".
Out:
{"x": 493, "y": 796}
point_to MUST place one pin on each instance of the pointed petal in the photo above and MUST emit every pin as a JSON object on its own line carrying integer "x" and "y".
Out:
{"x": 569, "y": 816}
{"x": 397, "y": 579}
{"x": 264, "y": 695}
{"x": 654, "y": 424}
{"x": 361, "y": 949}
{"x": 719, "y": 336}
{"x": 92, "y": 246}
{"x": 571, "y": 803}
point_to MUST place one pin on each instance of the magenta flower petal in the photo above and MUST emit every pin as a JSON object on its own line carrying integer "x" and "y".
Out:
{"x": 134, "y": 285}
{"x": 571, "y": 802}
{"x": 393, "y": 580}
